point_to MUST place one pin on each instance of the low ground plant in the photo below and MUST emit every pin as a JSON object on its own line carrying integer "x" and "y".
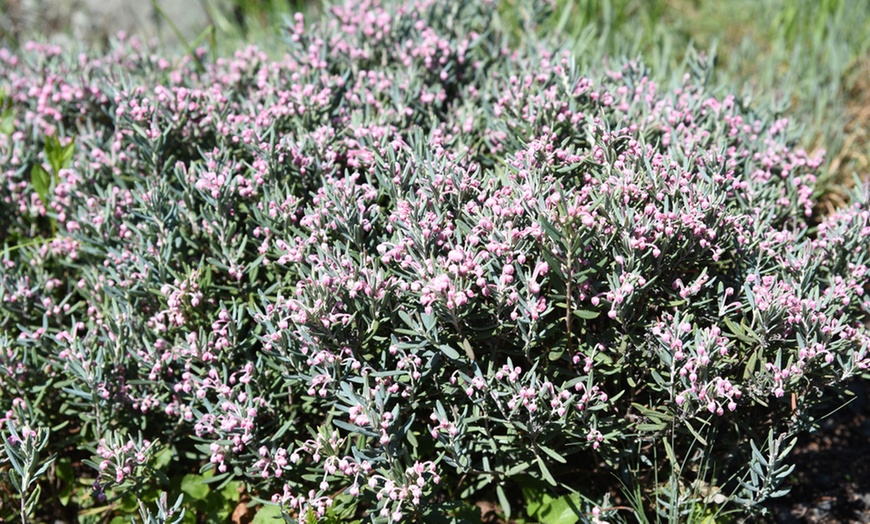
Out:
{"x": 404, "y": 269}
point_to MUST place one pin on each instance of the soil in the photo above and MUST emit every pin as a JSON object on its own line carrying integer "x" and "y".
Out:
{"x": 831, "y": 480}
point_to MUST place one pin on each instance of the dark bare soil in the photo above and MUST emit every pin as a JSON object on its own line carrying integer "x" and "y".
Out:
{"x": 831, "y": 480}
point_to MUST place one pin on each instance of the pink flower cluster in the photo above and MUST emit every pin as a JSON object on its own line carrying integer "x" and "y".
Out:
{"x": 119, "y": 459}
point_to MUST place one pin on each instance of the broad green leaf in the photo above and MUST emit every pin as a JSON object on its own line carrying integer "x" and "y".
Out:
{"x": 268, "y": 514}
{"x": 194, "y": 486}
{"x": 65, "y": 474}
{"x": 64, "y": 471}
{"x": 231, "y": 491}
{"x": 563, "y": 510}
{"x": 162, "y": 458}
{"x": 543, "y": 507}
{"x": 217, "y": 506}
{"x": 709, "y": 519}
{"x": 129, "y": 504}
{"x": 41, "y": 181}
{"x": 536, "y": 499}
{"x": 58, "y": 156}
{"x": 7, "y": 122}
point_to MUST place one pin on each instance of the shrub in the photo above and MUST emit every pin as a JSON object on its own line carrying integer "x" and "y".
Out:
{"x": 403, "y": 269}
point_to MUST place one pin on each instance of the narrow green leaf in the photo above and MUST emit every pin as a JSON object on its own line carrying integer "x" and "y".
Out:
{"x": 412, "y": 439}
{"x": 407, "y": 320}
{"x": 353, "y": 428}
{"x": 657, "y": 378}
{"x": 44, "y": 467}
{"x": 669, "y": 451}
{"x": 695, "y": 434}
{"x": 545, "y": 472}
{"x": 750, "y": 365}
{"x": 20, "y": 465}
{"x": 519, "y": 468}
{"x": 556, "y": 354}
{"x": 552, "y": 453}
{"x": 466, "y": 345}
{"x": 554, "y": 234}
{"x": 554, "y": 264}
{"x": 449, "y": 352}
{"x": 646, "y": 427}
{"x": 33, "y": 499}
{"x": 54, "y": 154}
{"x": 585, "y": 314}
{"x": 503, "y": 501}
{"x": 780, "y": 493}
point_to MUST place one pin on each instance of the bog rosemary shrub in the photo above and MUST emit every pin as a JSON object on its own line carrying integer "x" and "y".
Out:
{"x": 402, "y": 269}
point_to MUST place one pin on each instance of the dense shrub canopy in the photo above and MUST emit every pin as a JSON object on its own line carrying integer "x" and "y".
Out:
{"x": 405, "y": 266}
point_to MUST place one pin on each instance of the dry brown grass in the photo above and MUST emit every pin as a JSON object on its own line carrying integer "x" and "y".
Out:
{"x": 854, "y": 157}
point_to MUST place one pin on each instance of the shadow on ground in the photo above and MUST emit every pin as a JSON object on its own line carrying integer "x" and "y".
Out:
{"x": 831, "y": 480}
